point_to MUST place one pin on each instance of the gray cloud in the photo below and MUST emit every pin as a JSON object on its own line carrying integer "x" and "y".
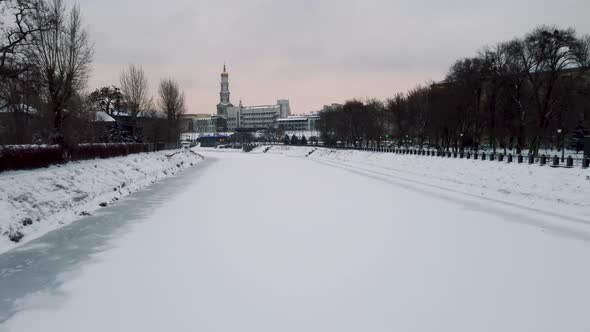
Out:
{"x": 311, "y": 51}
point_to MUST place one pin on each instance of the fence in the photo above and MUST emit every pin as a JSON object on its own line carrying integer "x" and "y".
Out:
{"x": 542, "y": 160}
{"x": 15, "y": 157}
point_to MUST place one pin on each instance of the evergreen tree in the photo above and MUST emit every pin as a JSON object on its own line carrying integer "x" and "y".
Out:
{"x": 286, "y": 141}
{"x": 294, "y": 140}
{"x": 577, "y": 138}
{"x": 303, "y": 140}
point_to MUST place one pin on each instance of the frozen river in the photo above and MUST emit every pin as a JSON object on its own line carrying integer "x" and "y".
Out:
{"x": 261, "y": 242}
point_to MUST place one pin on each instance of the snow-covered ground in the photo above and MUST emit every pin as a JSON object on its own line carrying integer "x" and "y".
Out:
{"x": 533, "y": 187}
{"x": 33, "y": 202}
{"x": 278, "y": 241}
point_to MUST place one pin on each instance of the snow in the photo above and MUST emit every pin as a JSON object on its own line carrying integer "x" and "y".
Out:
{"x": 327, "y": 241}
{"x": 55, "y": 196}
{"x": 532, "y": 186}
{"x": 101, "y": 116}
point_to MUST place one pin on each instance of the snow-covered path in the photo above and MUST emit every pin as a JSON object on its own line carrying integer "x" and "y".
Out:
{"x": 266, "y": 242}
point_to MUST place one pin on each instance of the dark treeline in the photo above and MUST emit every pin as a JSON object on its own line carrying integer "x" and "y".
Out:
{"x": 526, "y": 93}
{"x": 45, "y": 61}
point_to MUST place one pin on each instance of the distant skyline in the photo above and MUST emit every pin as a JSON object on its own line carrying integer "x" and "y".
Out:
{"x": 313, "y": 52}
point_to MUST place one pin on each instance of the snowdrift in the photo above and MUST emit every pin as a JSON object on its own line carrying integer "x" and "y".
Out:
{"x": 33, "y": 202}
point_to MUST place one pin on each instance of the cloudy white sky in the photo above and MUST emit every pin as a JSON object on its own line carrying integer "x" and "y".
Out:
{"x": 313, "y": 52}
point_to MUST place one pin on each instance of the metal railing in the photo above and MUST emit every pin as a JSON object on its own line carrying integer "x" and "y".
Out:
{"x": 554, "y": 161}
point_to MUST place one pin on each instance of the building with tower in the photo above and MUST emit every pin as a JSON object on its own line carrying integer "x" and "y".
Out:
{"x": 248, "y": 117}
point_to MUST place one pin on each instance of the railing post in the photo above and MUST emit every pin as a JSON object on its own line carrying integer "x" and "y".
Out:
{"x": 570, "y": 161}
{"x": 543, "y": 160}
{"x": 509, "y": 157}
{"x": 555, "y": 160}
{"x": 483, "y": 156}
{"x": 531, "y": 159}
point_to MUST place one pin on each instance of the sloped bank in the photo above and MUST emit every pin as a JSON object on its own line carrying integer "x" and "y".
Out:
{"x": 33, "y": 202}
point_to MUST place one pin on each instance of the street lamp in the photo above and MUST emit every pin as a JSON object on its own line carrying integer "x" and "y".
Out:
{"x": 560, "y": 132}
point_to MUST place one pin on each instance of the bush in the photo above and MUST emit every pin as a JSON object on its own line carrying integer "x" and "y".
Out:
{"x": 106, "y": 150}
{"x": 14, "y": 157}
{"x": 29, "y": 156}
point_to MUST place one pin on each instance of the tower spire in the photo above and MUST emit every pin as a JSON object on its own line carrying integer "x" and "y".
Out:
{"x": 224, "y": 93}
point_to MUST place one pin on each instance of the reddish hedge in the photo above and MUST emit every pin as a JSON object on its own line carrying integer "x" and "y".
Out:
{"x": 14, "y": 157}
{"x": 106, "y": 150}
{"x": 29, "y": 156}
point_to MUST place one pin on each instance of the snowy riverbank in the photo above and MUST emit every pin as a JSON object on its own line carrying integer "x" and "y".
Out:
{"x": 540, "y": 188}
{"x": 33, "y": 202}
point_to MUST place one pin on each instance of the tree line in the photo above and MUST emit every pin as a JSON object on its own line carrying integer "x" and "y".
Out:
{"x": 45, "y": 63}
{"x": 524, "y": 94}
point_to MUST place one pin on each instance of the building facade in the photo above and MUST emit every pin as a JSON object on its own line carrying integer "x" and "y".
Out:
{"x": 301, "y": 123}
{"x": 248, "y": 117}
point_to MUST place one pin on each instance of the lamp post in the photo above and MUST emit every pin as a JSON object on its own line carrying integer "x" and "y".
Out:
{"x": 560, "y": 132}
{"x": 461, "y": 141}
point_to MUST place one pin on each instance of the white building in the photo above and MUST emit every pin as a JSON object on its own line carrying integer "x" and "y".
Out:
{"x": 304, "y": 122}
{"x": 294, "y": 123}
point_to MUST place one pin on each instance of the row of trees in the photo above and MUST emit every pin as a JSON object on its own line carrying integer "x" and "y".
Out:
{"x": 45, "y": 60}
{"x": 524, "y": 94}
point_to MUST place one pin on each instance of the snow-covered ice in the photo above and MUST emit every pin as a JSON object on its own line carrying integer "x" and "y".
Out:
{"x": 278, "y": 241}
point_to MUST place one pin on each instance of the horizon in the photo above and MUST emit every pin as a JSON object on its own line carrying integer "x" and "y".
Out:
{"x": 316, "y": 53}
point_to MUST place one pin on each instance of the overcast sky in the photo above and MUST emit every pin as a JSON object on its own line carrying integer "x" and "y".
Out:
{"x": 313, "y": 52}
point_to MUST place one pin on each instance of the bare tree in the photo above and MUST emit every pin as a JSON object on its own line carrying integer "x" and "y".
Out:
{"x": 17, "y": 25}
{"x": 547, "y": 53}
{"x": 62, "y": 54}
{"x": 172, "y": 104}
{"x": 135, "y": 89}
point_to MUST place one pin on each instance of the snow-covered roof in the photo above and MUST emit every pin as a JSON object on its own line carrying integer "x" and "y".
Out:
{"x": 260, "y": 107}
{"x": 293, "y": 118}
{"x": 215, "y": 134}
{"x": 101, "y": 116}
{"x": 24, "y": 108}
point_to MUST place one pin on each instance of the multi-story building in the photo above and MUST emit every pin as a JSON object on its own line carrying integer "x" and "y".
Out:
{"x": 248, "y": 117}
{"x": 294, "y": 123}
{"x": 331, "y": 107}
{"x": 305, "y": 123}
